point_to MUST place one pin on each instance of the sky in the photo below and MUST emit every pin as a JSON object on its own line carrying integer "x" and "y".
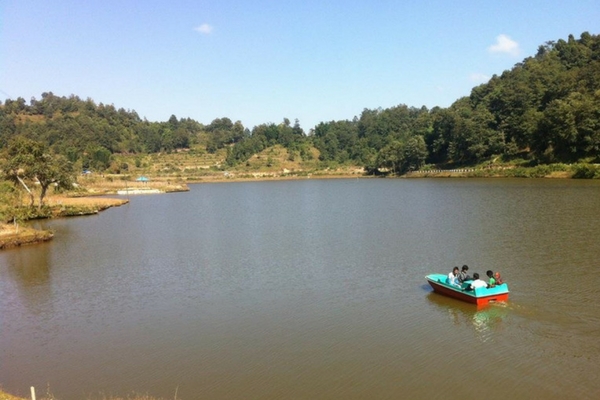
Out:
{"x": 262, "y": 61}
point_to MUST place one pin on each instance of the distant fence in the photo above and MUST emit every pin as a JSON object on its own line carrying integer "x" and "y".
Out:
{"x": 438, "y": 171}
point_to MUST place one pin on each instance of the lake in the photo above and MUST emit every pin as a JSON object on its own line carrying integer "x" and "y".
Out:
{"x": 311, "y": 289}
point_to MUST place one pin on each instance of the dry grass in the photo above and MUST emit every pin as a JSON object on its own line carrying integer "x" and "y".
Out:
{"x": 110, "y": 184}
{"x": 50, "y": 396}
{"x": 6, "y": 396}
{"x": 16, "y": 235}
{"x": 99, "y": 202}
{"x": 12, "y": 235}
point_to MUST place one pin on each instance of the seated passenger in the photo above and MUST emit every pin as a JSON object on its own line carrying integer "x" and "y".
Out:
{"x": 464, "y": 275}
{"x": 477, "y": 283}
{"x": 498, "y": 278}
{"x": 453, "y": 277}
{"x": 492, "y": 281}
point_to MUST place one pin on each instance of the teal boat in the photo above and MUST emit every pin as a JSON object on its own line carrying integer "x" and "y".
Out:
{"x": 479, "y": 296}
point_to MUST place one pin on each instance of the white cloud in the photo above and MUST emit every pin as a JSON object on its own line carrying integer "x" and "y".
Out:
{"x": 505, "y": 44}
{"x": 204, "y": 29}
{"x": 478, "y": 77}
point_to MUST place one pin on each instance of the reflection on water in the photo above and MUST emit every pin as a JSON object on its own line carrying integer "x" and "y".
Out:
{"x": 29, "y": 268}
{"x": 30, "y": 278}
{"x": 486, "y": 321}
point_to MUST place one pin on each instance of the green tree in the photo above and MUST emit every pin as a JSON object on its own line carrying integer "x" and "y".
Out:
{"x": 402, "y": 156}
{"x": 414, "y": 154}
{"x": 29, "y": 161}
{"x": 8, "y": 198}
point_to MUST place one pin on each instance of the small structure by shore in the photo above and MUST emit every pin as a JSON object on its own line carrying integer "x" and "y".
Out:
{"x": 138, "y": 191}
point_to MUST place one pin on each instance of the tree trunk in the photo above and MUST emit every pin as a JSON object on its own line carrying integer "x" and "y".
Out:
{"x": 42, "y": 195}
{"x": 28, "y": 191}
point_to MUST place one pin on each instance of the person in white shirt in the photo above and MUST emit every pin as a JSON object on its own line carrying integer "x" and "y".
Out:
{"x": 453, "y": 277}
{"x": 477, "y": 283}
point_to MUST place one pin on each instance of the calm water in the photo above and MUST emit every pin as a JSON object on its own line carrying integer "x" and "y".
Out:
{"x": 311, "y": 289}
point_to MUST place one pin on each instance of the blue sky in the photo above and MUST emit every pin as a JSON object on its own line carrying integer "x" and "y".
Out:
{"x": 261, "y": 61}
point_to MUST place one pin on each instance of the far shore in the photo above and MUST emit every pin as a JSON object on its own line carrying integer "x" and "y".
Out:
{"x": 91, "y": 198}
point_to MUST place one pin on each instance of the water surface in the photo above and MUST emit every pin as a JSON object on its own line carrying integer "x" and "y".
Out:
{"x": 311, "y": 289}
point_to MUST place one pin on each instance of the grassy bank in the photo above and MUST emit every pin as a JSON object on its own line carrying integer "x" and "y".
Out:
{"x": 513, "y": 170}
{"x": 15, "y": 236}
{"x": 49, "y": 396}
{"x": 6, "y": 396}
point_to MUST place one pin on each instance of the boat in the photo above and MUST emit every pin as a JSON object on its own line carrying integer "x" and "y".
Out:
{"x": 479, "y": 296}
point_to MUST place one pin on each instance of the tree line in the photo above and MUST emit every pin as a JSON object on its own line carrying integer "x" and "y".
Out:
{"x": 90, "y": 133}
{"x": 546, "y": 109}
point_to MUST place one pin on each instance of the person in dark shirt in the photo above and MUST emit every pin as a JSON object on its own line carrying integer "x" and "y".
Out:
{"x": 463, "y": 275}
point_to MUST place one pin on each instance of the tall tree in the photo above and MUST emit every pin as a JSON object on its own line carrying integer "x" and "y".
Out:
{"x": 30, "y": 161}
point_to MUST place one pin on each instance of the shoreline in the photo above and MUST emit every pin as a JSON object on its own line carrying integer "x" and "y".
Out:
{"x": 91, "y": 201}
{"x": 17, "y": 235}
{"x": 7, "y": 396}
{"x": 12, "y": 236}
{"x": 48, "y": 396}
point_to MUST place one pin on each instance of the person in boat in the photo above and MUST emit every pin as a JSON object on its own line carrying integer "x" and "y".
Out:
{"x": 498, "y": 278}
{"x": 453, "y": 277}
{"x": 464, "y": 274}
{"x": 492, "y": 280}
{"x": 477, "y": 283}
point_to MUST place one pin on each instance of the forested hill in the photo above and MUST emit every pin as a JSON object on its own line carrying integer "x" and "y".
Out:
{"x": 548, "y": 106}
{"x": 76, "y": 128}
{"x": 546, "y": 109}
{"x": 90, "y": 133}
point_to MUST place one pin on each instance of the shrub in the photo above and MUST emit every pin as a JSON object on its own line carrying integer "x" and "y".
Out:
{"x": 540, "y": 171}
{"x": 559, "y": 167}
{"x": 586, "y": 171}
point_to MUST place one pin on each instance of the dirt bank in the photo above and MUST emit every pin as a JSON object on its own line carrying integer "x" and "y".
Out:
{"x": 16, "y": 235}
